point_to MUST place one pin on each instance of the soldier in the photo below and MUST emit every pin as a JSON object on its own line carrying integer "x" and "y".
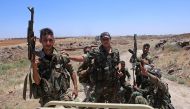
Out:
{"x": 104, "y": 69}
{"x": 125, "y": 84}
{"x": 146, "y": 57}
{"x": 157, "y": 93}
{"x": 153, "y": 91}
{"x": 50, "y": 72}
{"x": 142, "y": 82}
{"x": 147, "y": 60}
{"x": 84, "y": 74}
{"x": 125, "y": 72}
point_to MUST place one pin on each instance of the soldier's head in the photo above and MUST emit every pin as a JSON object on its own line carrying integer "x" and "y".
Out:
{"x": 146, "y": 48}
{"x": 47, "y": 39}
{"x": 105, "y": 39}
{"x": 86, "y": 49}
{"x": 122, "y": 64}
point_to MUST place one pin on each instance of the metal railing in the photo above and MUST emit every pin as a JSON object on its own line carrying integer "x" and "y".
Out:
{"x": 75, "y": 105}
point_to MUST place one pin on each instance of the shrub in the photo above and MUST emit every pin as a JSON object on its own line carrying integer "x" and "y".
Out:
{"x": 181, "y": 81}
{"x": 172, "y": 78}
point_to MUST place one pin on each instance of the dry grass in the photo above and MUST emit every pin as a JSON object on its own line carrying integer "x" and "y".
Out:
{"x": 176, "y": 58}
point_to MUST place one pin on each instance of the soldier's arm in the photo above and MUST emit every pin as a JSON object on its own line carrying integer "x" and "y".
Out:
{"x": 82, "y": 58}
{"x": 73, "y": 78}
{"x": 69, "y": 68}
{"x": 153, "y": 79}
{"x": 36, "y": 75}
{"x": 77, "y": 58}
{"x": 156, "y": 81}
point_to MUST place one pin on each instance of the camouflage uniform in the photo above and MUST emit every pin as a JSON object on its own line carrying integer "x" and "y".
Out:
{"x": 154, "y": 92}
{"x": 159, "y": 96}
{"x": 122, "y": 79}
{"x": 139, "y": 77}
{"x": 104, "y": 74}
{"x": 55, "y": 79}
{"x": 137, "y": 98}
{"x": 126, "y": 90}
{"x": 84, "y": 78}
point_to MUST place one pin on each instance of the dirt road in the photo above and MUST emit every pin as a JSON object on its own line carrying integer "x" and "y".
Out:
{"x": 180, "y": 94}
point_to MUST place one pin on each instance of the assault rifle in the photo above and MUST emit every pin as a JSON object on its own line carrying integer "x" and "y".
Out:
{"x": 31, "y": 40}
{"x": 133, "y": 59}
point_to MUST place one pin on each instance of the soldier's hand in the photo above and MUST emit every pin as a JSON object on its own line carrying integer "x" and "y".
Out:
{"x": 75, "y": 93}
{"x": 35, "y": 62}
{"x": 82, "y": 73}
{"x": 63, "y": 52}
{"x": 135, "y": 87}
{"x": 120, "y": 74}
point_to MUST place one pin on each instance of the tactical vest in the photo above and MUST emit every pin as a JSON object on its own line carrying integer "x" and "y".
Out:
{"x": 55, "y": 79}
{"x": 105, "y": 66}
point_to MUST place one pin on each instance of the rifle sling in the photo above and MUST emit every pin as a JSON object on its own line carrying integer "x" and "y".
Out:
{"x": 30, "y": 83}
{"x": 25, "y": 87}
{"x": 28, "y": 76}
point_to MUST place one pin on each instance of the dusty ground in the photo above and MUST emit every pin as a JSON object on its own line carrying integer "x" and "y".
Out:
{"x": 11, "y": 95}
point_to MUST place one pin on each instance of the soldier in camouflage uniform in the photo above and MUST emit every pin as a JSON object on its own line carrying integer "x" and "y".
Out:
{"x": 50, "y": 72}
{"x": 153, "y": 91}
{"x": 141, "y": 81}
{"x": 84, "y": 75}
{"x": 147, "y": 60}
{"x": 125, "y": 73}
{"x": 157, "y": 93}
{"x": 146, "y": 57}
{"x": 126, "y": 93}
{"x": 104, "y": 69}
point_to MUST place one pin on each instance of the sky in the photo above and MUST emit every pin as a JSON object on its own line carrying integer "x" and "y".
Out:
{"x": 92, "y": 17}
